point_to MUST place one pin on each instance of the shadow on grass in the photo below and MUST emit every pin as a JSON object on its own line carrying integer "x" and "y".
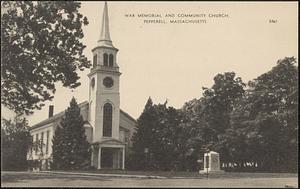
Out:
{"x": 12, "y": 177}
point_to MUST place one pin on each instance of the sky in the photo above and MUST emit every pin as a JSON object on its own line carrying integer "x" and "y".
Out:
{"x": 173, "y": 61}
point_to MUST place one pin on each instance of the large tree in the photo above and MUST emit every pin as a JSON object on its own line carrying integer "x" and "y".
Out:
{"x": 40, "y": 45}
{"x": 264, "y": 122}
{"x": 273, "y": 103}
{"x": 165, "y": 134}
{"x": 208, "y": 117}
{"x": 161, "y": 140}
{"x": 70, "y": 147}
{"x": 143, "y": 137}
{"x": 197, "y": 130}
{"x": 15, "y": 142}
{"x": 219, "y": 100}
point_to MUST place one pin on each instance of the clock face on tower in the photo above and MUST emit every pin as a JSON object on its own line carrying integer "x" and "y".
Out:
{"x": 108, "y": 82}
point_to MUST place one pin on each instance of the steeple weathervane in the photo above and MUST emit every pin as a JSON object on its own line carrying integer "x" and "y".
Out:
{"x": 104, "y": 39}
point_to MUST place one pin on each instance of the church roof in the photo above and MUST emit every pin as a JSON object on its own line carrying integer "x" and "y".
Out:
{"x": 55, "y": 117}
{"x": 62, "y": 113}
{"x": 127, "y": 115}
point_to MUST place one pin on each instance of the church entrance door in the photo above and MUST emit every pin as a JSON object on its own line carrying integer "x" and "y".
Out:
{"x": 107, "y": 158}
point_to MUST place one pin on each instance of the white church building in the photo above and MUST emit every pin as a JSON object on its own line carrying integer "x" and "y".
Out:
{"x": 107, "y": 127}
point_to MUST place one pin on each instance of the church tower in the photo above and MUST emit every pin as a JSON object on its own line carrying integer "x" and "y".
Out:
{"x": 104, "y": 77}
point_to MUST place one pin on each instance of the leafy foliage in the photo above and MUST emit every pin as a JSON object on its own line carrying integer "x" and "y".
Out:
{"x": 70, "y": 148}
{"x": 143, "y": 137}
{"x": 162, "y": 141}
{"x": 219, "y": 100}
{"x": 15, "y": 142}
{"x": 264, "y": 126}
{"x": 40, "y": 45}
{"x": 273, "y": 102}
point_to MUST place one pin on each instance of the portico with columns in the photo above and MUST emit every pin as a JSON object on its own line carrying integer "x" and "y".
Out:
{"x": 108, "y": 154}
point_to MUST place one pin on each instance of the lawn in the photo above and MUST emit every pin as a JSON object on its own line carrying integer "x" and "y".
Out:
{"x": 229, "y": 180}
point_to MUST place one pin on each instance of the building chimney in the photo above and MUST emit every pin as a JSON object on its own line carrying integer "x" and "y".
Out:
{"x": 51, "y": 108}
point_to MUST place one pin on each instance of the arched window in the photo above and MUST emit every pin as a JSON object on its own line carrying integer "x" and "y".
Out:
{"x": 95, "y": 60}
{"x": 105, "y": 59}
{"x": 107, "y": 120}
{"x": 111, "y": 60}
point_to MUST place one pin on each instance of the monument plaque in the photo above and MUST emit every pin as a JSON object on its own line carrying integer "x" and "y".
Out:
{"x": 211, "y": 163}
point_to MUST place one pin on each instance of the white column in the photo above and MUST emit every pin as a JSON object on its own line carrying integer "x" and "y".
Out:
{"x": 210, "y": 164}
{"x": 123, "y": 159}
{"x": 119, "y": 159}
{"x": 92, "y": 157}
{"x": 99, "y": 158}
{"x": 206, "y": 163}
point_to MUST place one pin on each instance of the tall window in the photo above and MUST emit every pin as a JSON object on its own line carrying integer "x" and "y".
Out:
{"x": 126, "y": 136}
{"x": 42, "y": 142}
{"x": 111, "y": 60}
{"x": 105, "y": 59}
{"x": 47, "y": 142}
{"x": 36, "y": 143}
{"x": 107, "y": 120}
{"x": 31, "y": 149}
{"x": 95, "y": 61}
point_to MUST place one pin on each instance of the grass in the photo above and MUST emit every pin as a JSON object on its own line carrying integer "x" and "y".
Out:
{"x": 17, "y": 176}
{"x": 20, "y": 176}
{"x": 57, "y": 179}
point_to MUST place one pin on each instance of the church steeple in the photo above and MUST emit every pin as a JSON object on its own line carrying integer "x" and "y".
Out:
{"x": 104, "y": 39}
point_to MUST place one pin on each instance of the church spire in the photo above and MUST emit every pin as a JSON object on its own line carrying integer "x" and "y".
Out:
{"x": 104, "y": 39}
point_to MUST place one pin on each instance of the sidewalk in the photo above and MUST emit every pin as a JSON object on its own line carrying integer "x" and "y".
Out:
{"x": 104, "y": 175}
